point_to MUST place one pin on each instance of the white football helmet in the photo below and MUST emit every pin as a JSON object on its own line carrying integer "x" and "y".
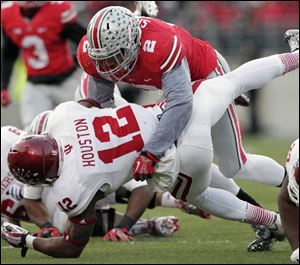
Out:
{"x": 114, "y": 40}
{"x": 292, "y": 168}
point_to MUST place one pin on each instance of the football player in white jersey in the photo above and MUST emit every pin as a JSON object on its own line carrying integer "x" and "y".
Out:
{"x": 288, "y": 200}
{"x": 82, "y": 142}
{"x": 12, "y": 207}
{"x": 16, "y": 206}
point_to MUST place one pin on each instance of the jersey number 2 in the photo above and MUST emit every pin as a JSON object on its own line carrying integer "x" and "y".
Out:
{"x": 135, "y": 144}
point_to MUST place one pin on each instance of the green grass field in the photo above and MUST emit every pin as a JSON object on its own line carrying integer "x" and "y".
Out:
{"x": 214, "y": 241}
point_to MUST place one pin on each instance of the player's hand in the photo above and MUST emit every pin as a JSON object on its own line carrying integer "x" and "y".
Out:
{"x": 5, "y": 97}
{"x": 143, "y": 167}
{"x": 14, "y": 234}
{"x": 48, "y": 232}
{"x": 242, "y": 100}
{"x": 118, "y": 234}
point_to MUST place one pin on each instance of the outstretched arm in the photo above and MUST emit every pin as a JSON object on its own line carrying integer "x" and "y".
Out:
{"x": 178, "y": 94}
{"x": 77, "y": 233}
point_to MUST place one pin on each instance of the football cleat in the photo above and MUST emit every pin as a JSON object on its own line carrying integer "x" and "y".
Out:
{"x": 278, "y": 232}
{"x": 265, "y": 237}
{"x": 191, "y": 209}
{"x": 291, "y": 37}
{"x": 242, "y": 100}
{"x": 163, "y": 226}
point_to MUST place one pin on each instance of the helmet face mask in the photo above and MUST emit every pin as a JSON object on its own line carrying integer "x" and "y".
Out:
{"x": 113, "y": 36}
{"x": 34, "y": 160}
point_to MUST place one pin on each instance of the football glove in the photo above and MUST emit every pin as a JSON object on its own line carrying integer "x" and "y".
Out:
{"x": 143, "y": 167}
{"x": 15, "y": 236}
{"x": 47, "y": 232}
{"x": 5, "y": 97}
{"x": 118, "y": 234}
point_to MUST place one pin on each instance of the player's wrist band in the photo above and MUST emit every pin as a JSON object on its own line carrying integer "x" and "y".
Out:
{"x": 126, "y": 222}
{"x": 29, "y": 241}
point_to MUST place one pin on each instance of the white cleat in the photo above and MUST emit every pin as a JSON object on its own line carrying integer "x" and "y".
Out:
{"x": 291, "y": 37}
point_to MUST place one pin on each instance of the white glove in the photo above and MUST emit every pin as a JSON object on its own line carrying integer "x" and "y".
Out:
{"x": 14, "y": 235}
{"x": 148, "y": 7}
{"x": 295, "y": 256}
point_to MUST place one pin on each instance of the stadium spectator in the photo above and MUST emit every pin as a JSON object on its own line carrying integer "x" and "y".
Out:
{"x": 52, "y": 74}
{"x": 56, "y": 162}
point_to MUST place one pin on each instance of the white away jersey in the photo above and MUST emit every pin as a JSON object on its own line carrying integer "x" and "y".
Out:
{"x": 97, "y": 150}
{"x": 10, "y": 206}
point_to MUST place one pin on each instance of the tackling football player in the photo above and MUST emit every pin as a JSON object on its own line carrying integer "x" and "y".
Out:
{"x": 81, "y": 142}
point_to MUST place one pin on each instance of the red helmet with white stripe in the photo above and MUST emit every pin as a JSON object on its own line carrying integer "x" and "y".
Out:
{"x": 34, "y": 160}
{"x": 114, "y": 41}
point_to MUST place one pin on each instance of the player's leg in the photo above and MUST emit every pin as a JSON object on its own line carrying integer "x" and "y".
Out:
{"x": 34, "y": 101}
{"x": 66, "y": 90}
{"x": 232, "y": 159}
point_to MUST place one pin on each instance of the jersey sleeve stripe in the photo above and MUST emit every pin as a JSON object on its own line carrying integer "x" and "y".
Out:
{"x": 175, "y": 60}
{"x": 171, "y": 54}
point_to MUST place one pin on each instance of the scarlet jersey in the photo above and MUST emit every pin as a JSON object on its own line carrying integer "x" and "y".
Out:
{"x": 163, "y": 46}
{"x": 10, "y": 206}
{"x": 43, "y": 49}
{"x": 97, "y": 150}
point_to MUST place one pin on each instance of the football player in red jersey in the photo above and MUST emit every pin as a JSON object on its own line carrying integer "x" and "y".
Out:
{"x": 152, "y": 54}
{"x": 40, "y": 31}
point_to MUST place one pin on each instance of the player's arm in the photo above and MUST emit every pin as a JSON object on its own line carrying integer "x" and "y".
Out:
{"x": 102, "y": 91}
{"x": 76, "y": 235}
{"x": 177, "y": 89}
{"x": 9, "y": 54}
{"x": 37, "y": 212}
{"x": 289, "y": 214}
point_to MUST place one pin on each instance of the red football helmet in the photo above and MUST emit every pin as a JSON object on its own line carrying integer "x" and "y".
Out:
{"x": 34, "y": 160}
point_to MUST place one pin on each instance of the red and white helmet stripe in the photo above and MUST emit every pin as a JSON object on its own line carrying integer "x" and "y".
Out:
{"x": 95, "y": 25}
